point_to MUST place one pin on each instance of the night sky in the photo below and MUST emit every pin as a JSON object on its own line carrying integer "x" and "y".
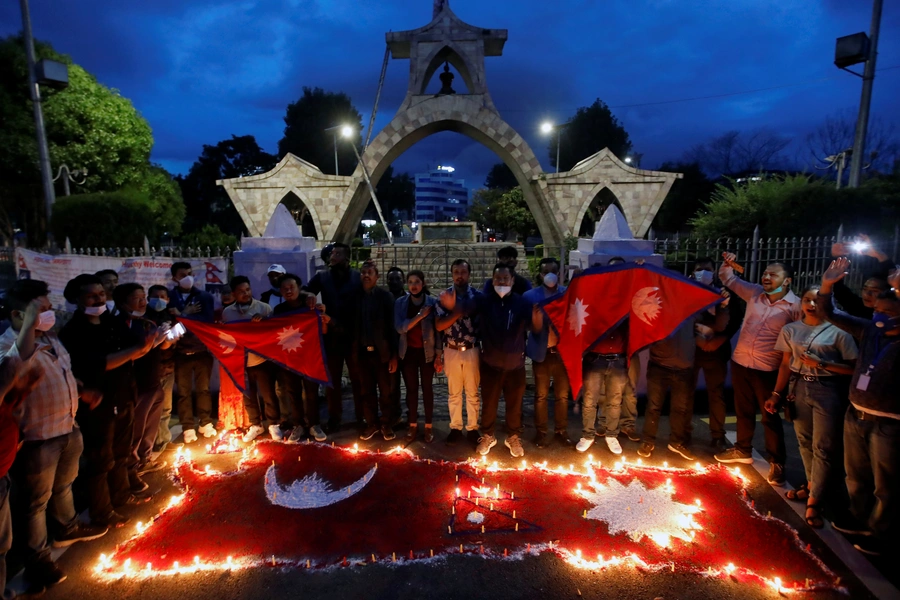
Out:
{"x": 202, "y": 70}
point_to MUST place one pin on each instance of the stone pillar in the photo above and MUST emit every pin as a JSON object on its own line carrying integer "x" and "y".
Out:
{"x": 612, "y": 237}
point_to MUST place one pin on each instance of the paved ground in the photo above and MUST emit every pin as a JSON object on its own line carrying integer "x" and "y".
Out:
{"x": 454, "y": 576}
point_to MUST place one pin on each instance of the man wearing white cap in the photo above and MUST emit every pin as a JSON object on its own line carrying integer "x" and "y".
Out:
{"x": 272, "y": 296}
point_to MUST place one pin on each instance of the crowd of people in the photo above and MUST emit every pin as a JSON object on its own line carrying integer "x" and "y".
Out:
{"x": 93, "y": 402}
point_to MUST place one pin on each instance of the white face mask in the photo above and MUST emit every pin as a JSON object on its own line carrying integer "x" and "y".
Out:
{"x": 551, "y": 280}
{"x": 186, "y": 282}
{"x": 503, "y": 290}
{"x": 46, "y": 321}
{"x": 95, "y": 311}
{"x": 704, "y": 277}
{"x": 138, "y": 313}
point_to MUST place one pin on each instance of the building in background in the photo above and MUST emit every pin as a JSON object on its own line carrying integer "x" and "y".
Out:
{"x": 440, "y": 196}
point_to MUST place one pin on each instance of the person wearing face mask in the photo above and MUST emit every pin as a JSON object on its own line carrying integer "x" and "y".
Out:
{"x": 714, "y": 353}
{"x": 872, "y": 421}
{"x": 546, "y": 363}
{"x": 272, "y": 296}
{"x": 110, "y": 280}
{"x": 420, "y": 349}
{"x": 260, "y": 372}
{"x": 509, "y": 256}
{"x": 755, "y": 361}
{"x": 504, "y": 317}
{"x": 103, "y": 352}
{"x": 157, "y": 311}
{"x": 51, "y": 441}
{"x": 193, "y": 362}
{"x": 131, "y": 300}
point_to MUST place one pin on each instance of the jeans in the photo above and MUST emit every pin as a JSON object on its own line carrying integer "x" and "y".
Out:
{"x": 751, "y": 390}
{"x": 164, "y": 435}
{"x": 303, "y": 396}
{"x": 681, "y": 383}
{"x": 610, "y": 376}
{"x": 512, "y": 384}
{"x": 147, "y": 413}
{"x": 715, "y": 371}
{"x": 261, "y": 384}
{"x": 375, "y": 388}
{"x": 818, "y": 425}
{"x": 872, "y": 460}
{"x": 463, "y": 371}
{"x": 337, "y": 355}
{"x": 629, "y": 413}
{"x": 414, "y": 364}
{"x": 44, "y": 471}
{"x": 107, "y": 450}
{"x": 551, "y": 367}
{"x": 6, "y": 535}
{"x": 193, "y": 370}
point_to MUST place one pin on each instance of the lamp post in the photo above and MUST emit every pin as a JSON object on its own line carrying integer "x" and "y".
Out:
{"x": 547, "y": 128}
{"x": 334, "y": 134}
{"x": 349, "y": 133}
{"x": 70, "y": 176}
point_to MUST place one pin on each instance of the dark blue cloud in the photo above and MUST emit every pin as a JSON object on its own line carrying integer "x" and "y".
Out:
{"x": 202, "y": 70}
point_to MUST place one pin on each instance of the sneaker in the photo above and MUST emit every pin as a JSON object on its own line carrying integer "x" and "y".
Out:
{"x": 316, "y": 432}
{"x": 514, "y": 443}
{"x": 631, "y": 434}
{"x": 79, "y": 533}
{"x": 44, "y": 573}
{"x": 254, "y": 432}
{"x": 682, "y": 450}
{"x": 297, "y": 435}
{"x": 561, "y": 438}
{"x": 113, "y": 519}
{"x": 473, "y": 437}
{"x": 190, "y": 436}
{"x": 275, "y": 433}
{"x": 584, "y": 443}
{"x": 151, "y": 466}
{"x": 646, "y": 449}
{"x": 735, "y": 455}
{"x": 138, "y": 485}
{"x": 485, "y": 443}
{"x": 138, "y": 499}
{"x": 454, "y": 436}
{"x": 369, "y": 433}
{"x": 411, "y": 433}
{"x": 776, "y": 474}
{"x": 387, "y": 432}
{"x": 871, "y": 546}
{"x": 540, "y": 440}
{"x": 208, "y": 430}
{"x": 613, "y": 444}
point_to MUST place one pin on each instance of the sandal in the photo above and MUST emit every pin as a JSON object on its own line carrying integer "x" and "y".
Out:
{"x": 411, "y": 433}
{"x": 801, "y": 494}
{"x": 814, "y": 520}
{"x": 429, "y": 435}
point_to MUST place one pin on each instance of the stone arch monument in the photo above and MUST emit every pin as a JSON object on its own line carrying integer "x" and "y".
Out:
{"x": 558, "y": 200}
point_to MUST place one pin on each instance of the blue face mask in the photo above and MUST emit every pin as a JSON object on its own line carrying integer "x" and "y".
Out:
{"x": 885, "y": 322}
{"x": 157, "y": 304}
{"x": 777, "y": 290}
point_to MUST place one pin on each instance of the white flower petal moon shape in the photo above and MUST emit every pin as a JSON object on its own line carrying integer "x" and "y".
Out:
{"x": 646, "y": 304}
{"x": 227, "y": 343}
{"x": 312, "y": 491}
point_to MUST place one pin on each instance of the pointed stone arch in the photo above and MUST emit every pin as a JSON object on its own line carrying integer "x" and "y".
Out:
{"x": 451, "y": 53}
{"x": 590, "y": 200}
{"x": 312, "y": 215}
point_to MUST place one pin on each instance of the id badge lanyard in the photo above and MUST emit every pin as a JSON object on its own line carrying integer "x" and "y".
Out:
{"x": 862, "y": 384}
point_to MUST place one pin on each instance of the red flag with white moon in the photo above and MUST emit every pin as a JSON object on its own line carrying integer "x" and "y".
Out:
{"x": 293, "y": 341}
{"x": 655, "y": 301}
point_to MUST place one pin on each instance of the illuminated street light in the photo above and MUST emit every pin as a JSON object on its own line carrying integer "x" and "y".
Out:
{"x": 348, "y": 133}
{"x": 547, "y": 128}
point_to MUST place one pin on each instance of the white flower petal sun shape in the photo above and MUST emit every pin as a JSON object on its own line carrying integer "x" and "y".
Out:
{"x": 578, "y": 315}
{"x": 290, "y": 339}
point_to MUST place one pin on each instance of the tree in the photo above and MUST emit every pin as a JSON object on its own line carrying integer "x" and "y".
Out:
{"x": 89, "y": 126}
{"x": 166, "y": 205}
{"x": 503, "y": 211}
{"x": 209, "y": 236}
{"x": 500, "y": 177}
{"x": 208, "y": 203}
{"x": 734, "y": 152}
{"x": 396, "y": 192}
{"x": 104, "y": 220}
{"x": 687, "y": 196}
{"x": 592, "y": 129}
{"x": 836, "y": 134}
{"x": 305, "y": 124}
{"x": 377, "y": 233}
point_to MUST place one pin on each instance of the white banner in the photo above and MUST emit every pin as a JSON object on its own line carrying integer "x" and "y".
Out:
{"x": 209, "y": 273}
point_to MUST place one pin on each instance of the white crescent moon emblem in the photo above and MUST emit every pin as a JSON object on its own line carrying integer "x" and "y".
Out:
{"x": 312, "y": 491}
{"x": 646, "y": 304}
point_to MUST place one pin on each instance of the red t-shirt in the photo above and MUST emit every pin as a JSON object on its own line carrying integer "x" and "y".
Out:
{"x": 414, "y": 336}
{"x": 9, "y": 437}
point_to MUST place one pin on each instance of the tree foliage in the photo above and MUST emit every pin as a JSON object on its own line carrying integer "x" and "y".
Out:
{"x": 208, "y": 203}
{"x": 209, "y": 236}
{"x": 687, "y": 196}
{"x": 504, "y": 212}
{"x": 592, "y": 129}
{"x": 305, "y": 124}
{"x": 735, "y": 152}
{"x": 396, "y": 192}
{"x": 104, "y": 219}
{"x": 500, "y": 177}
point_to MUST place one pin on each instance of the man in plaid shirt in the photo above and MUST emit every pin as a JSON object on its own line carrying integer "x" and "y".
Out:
{"x": 47, "y": 463}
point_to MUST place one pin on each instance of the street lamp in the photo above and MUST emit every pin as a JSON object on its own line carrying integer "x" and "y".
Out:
{"x": 547, "y": 128}
{"x": 346, "y": 131}
{"x": 70, "y": 176}
{"x": 634, "y": 160}
{"x": 349, "y": 133}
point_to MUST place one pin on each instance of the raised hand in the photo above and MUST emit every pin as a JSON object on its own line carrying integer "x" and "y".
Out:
{"x": 727, "y": 298}
{"x": 447, "y": 299}
{"x": 731, "y": 260}
{"x": 836, "y": 271}
{"x": 870, "y": 249}
{"x": 839, "y": 249}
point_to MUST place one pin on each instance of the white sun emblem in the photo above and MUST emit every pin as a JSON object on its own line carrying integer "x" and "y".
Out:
{"x": 641, "y": 512}
{"x": 226, "y": 343}
{"x": 578, "y": 315}
{"x": 646, "y": 304}
{"x": 290, "y": 339}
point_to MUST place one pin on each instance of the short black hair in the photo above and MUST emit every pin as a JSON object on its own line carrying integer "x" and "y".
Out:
{"x": 550, "y": 260}
{"x": 501, "y": 265}
{"x": 21, "y": 293}
{"x": 615, "y": 259}
{"x": 326, "y": 252}
{"x": 121, "y": 293}
{"x": 369, "y": 263}
{"x": 341, "y": 245}
{"x": 788, "y": 269}
{"x": 459, "y": 262}
{"x": 157, "y": 288}
{"x": 704, "y": 260}
{"x": 106, "y": 272}
{"x": 291, "y": 276}
{"x": 395, "y": 269}
{"x": 238, "y": 280}
{"x": 76, "y": 285}
{"x": 180, "y": 265}
{"x": 508, "y": 252}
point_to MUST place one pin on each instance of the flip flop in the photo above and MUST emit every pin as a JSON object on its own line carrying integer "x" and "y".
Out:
{"x": 815, "y": 519}
{"x": 801, "y": 494}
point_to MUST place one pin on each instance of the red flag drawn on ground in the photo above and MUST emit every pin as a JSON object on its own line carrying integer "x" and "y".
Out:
{"x": 312, "y": 505}
{"x": 293, "y": 341}
{"x": 655, "y": 301}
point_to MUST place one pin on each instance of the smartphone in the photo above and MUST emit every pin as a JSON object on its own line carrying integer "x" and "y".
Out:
{"x": 176, "y": 332}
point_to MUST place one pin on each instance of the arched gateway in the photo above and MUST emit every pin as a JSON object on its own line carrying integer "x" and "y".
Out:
{"x": 558, "y": 201}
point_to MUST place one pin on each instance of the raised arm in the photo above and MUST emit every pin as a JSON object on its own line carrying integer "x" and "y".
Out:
{"x": 744, "y": 289}
{"x": 834, "y": 273}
